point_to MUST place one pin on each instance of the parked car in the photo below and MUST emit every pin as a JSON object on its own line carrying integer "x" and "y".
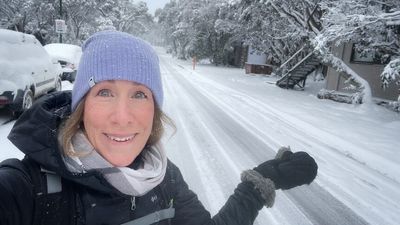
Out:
{"x": 26, "y": 71}
{"x": 68, "y": 56}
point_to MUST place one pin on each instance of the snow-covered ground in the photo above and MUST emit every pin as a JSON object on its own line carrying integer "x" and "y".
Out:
{"x": 228, "y": 121}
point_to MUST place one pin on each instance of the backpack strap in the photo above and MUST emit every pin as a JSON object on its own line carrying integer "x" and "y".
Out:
{"x": 168, "y": 191}
{"x": 53, "y": 201}
{"x": 53, "y": 181}
{"x": 32, "y": 173}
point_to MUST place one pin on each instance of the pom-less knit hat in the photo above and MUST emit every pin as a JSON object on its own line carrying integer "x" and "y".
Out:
{"x": 113, "y": 55}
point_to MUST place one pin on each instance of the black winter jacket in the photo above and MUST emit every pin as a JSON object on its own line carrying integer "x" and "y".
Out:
{"x": 92, "y": 200}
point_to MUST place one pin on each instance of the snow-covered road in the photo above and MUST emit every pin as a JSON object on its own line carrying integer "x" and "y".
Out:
{"x": 225, "y": 126}
{"x": 218, "y": 141}
{"x": 228, "y": 122}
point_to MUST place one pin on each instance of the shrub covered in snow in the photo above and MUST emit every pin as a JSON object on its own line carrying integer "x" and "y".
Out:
{"x": 340, "y": 96}
{"x": 391, "y": 73}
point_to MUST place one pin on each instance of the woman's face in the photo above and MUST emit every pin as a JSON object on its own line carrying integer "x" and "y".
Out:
{"x": 118, "y": 118}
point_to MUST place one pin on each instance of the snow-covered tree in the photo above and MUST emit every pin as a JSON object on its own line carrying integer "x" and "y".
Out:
{"x": 391, "y": 73}
{"x": 79, "y": 16}
{"x": 226, "y": 32}
{"x": 197, "y": 28}
{"x": 124, "y": 15}
{"x": 371, "y": 25}
{"x": 168, "y": 19}
{"x": 33, "y": 16}
{"x": 14, "y": 14}
{"x": 82, "y": 17}
{"x": 189, "y": 28}
{"x": 279, "y": 28}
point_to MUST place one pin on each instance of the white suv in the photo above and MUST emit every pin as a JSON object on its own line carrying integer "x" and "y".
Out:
{"x": 26, "y": 71}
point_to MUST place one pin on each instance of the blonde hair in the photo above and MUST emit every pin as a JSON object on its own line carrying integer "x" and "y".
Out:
{"x": 75, "y": 122}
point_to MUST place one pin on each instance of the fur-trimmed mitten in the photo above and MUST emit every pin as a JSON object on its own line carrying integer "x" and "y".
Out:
{"x": 289, "y": 169}
{"x": 286, "y": 171}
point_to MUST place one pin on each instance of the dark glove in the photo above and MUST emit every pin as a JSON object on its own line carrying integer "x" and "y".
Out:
{"x": 289, "y": 169}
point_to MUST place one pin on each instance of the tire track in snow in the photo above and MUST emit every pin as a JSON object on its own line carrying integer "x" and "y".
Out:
{"x": 198, "y": 142}
{"x": 222, "y": 170}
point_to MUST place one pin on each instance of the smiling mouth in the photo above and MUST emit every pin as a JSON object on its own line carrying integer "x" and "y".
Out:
{"x": 120, "y": 139}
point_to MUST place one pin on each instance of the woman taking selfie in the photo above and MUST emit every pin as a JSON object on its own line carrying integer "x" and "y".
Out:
{"x": 93, "y": 155}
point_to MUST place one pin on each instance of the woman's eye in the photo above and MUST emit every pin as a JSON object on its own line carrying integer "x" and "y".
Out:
{"x": 104, "y": 93}
{"x": 140, "y": 94}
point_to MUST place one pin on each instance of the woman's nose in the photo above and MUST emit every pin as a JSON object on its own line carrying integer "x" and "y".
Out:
{"x": 122, "y": 113}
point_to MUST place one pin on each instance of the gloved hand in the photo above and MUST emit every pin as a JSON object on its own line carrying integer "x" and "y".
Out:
{"x": 289, "y": 169}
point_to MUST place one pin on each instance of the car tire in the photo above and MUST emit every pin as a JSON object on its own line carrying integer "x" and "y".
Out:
{"x": 25, "y": 103}
{"x": 71, "y": 77}
{"x": 58, "y": 86}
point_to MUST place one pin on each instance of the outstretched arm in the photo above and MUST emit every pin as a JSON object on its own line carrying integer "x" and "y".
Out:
{"x": 241, "y": 208}
{"x": 257, "y": 189}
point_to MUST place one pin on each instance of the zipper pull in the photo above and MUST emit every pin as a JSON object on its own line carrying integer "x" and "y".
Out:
{"x": 133, "y": 203}
{"x": 171, "y": 203}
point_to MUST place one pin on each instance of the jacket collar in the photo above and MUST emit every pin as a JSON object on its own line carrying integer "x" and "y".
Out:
{"x": 35, "y": 132}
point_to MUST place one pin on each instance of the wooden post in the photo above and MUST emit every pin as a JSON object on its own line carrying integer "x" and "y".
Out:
{"x": 194, "y": 62}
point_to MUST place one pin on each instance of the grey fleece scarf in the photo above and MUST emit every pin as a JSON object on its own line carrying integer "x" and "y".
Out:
{"x": 135, "y": 182}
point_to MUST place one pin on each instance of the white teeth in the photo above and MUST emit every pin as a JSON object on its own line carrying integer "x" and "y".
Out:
{"x": 121, "y": 139}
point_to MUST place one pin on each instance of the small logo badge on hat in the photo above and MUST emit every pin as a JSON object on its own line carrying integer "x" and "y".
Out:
{"x": 91, "y": 82}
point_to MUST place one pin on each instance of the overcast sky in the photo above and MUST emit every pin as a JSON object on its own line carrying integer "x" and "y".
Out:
{"x": 154, "y": 4}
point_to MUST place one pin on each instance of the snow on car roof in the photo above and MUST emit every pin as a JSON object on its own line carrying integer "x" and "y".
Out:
{"x": 14, "y": 37}
{"x": 65, "y": 52}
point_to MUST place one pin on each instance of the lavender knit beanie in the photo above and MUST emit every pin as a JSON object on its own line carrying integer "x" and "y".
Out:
{"x": 113, "y": 55}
